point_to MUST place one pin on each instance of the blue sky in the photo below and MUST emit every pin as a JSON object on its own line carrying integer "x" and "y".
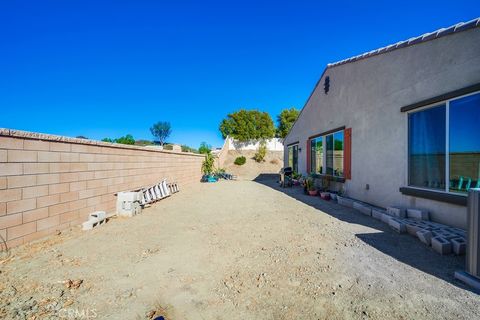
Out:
{"x": 108, "y": 68}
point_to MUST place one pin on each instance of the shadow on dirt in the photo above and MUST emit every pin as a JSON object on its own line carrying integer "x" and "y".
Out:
{"x": 403, "y": 248}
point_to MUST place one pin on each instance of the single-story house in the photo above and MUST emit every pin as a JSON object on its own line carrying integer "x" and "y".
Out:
{"x": 399, "y": 125}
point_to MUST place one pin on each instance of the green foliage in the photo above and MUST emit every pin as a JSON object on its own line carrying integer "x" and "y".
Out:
{"x": 186, "y": 148}
{"x": 261, "y": 152}
{"x": 143, "y": 142}
{"x": 128, "y": 139}
{"x": 161, "y": 130}
{"x": 220, "y": 171}
{"x": 208, "y": 164}
{"x": 240, "y": 161}
{"x": 168, "y": 147}
{"x": 285, "y": 121}
{"x": 310, "y": 184}
{"x": 204, "y": 148}
{"x": 245, "y": 125}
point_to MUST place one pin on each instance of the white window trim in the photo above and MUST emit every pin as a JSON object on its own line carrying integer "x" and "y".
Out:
{"x": 447, "y": 144}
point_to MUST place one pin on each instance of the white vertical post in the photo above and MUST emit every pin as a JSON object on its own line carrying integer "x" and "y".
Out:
{"x": 447, "y": 147}
{"x": 472, "y": 263}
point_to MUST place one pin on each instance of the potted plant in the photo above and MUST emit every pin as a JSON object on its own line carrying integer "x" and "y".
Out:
{"x": 325, "y": 194}
{"x": 309, "y": 183}
{"x": 208, "y": 168}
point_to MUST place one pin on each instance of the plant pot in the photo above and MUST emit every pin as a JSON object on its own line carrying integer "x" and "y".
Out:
{"x": 312, "y": 192}
{"x": 325, "y": 195}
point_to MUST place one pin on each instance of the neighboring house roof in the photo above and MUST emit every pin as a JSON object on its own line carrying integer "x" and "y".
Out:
{"x": 459, "y": 27}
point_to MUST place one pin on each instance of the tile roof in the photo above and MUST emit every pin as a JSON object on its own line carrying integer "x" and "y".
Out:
{"x": 462, "y": 26}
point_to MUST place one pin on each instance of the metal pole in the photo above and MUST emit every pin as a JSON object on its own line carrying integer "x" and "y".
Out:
{"x": 472, "y": 264}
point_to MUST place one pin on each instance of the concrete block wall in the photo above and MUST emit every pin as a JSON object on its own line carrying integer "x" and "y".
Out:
{"x": 49, "y": 183}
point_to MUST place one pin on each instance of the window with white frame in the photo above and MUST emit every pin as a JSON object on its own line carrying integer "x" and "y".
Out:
{"x": 327, "y": 154}
{"x": 444, "y": 145}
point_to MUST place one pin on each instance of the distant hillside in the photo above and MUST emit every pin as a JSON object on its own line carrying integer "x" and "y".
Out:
{"x": 251, "y": 169}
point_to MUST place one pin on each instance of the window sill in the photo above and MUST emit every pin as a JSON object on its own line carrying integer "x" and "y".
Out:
{"x": 457, "y": 199}
{"x": 333, "y": 178}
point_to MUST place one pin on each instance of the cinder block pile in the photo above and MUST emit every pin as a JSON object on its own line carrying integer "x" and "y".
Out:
{"x": 416, "y": 222}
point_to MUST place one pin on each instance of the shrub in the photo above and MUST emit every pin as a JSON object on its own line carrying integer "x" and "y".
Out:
{"x": 261, "y": 152}
{"x": 240, "y": 161}
{"x": 207, "y": 165}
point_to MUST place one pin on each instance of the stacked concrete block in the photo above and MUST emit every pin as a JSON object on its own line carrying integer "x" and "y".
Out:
{"x": 95, "y": 219}
{"x": 346, "y": 202}
{"x": 377, "y": 214}
{"x": 398, "y": 225}
{"x": 412, "y": 228}
{"x": 396, "y": 212}
{"x": 363, "y": 208}
{"x": 441, "y": 245}
{"x": 425, "y": 236}
{"x": 418, "y": 214}
{"x": 459, "y": 246}
{"x": 386, "y": 218}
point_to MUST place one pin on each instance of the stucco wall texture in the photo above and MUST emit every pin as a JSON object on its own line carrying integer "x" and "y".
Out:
{"x": 366, "y": 95}
{"x": 49, "y": 183}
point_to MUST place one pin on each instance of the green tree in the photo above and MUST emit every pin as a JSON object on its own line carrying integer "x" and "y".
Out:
{"x": 108, "y": 140}
{"x": 285, "y": 121}
{"x": 161, "y": 130}
{"x": 128, "y": 139}
{"x": 245, "y": 125}
{"x": 204, "y": 148}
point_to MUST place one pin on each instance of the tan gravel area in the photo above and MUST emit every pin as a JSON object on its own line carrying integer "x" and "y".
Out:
{"x": 234, "y": 250}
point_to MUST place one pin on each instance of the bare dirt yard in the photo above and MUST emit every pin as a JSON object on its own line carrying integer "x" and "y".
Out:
{"x": 234, "y": 250}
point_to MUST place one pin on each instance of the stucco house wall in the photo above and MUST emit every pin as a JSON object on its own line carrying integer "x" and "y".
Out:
{"x": 366, "y": 95}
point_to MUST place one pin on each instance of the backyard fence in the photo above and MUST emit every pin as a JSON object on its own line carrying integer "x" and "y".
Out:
{"x": 49, "y": 183}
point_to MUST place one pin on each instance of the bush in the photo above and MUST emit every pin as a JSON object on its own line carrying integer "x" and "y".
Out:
{"x": 261, "y": 152}
{"x": 240, "y": 161}
{"x": 208, "y": 164}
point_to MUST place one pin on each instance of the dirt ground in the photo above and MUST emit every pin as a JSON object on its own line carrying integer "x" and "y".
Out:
{"x": 235, "y": 250}
{"x": 251, "y": 169}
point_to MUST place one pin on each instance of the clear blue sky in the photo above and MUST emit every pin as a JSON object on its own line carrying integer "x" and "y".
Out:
{"x": 108, "y": 68}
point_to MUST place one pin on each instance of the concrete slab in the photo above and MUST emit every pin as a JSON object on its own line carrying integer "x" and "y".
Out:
{"x": 377, "y": 214}
{"x": 386, "y": 218}
{"x": 346, "y": 202}
{"x": 397, "y": 225}
{"x": 418, "y": 214}
{"x": 366, "y": 210}
{"x": 396, "y": 212}
{"x": 441, "y": 245}
{"x": 412, "y": 229}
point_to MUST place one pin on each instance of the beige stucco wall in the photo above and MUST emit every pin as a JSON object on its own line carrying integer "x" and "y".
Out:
{"x": 49, "y": 183}
{"x": 367, "y": 95}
